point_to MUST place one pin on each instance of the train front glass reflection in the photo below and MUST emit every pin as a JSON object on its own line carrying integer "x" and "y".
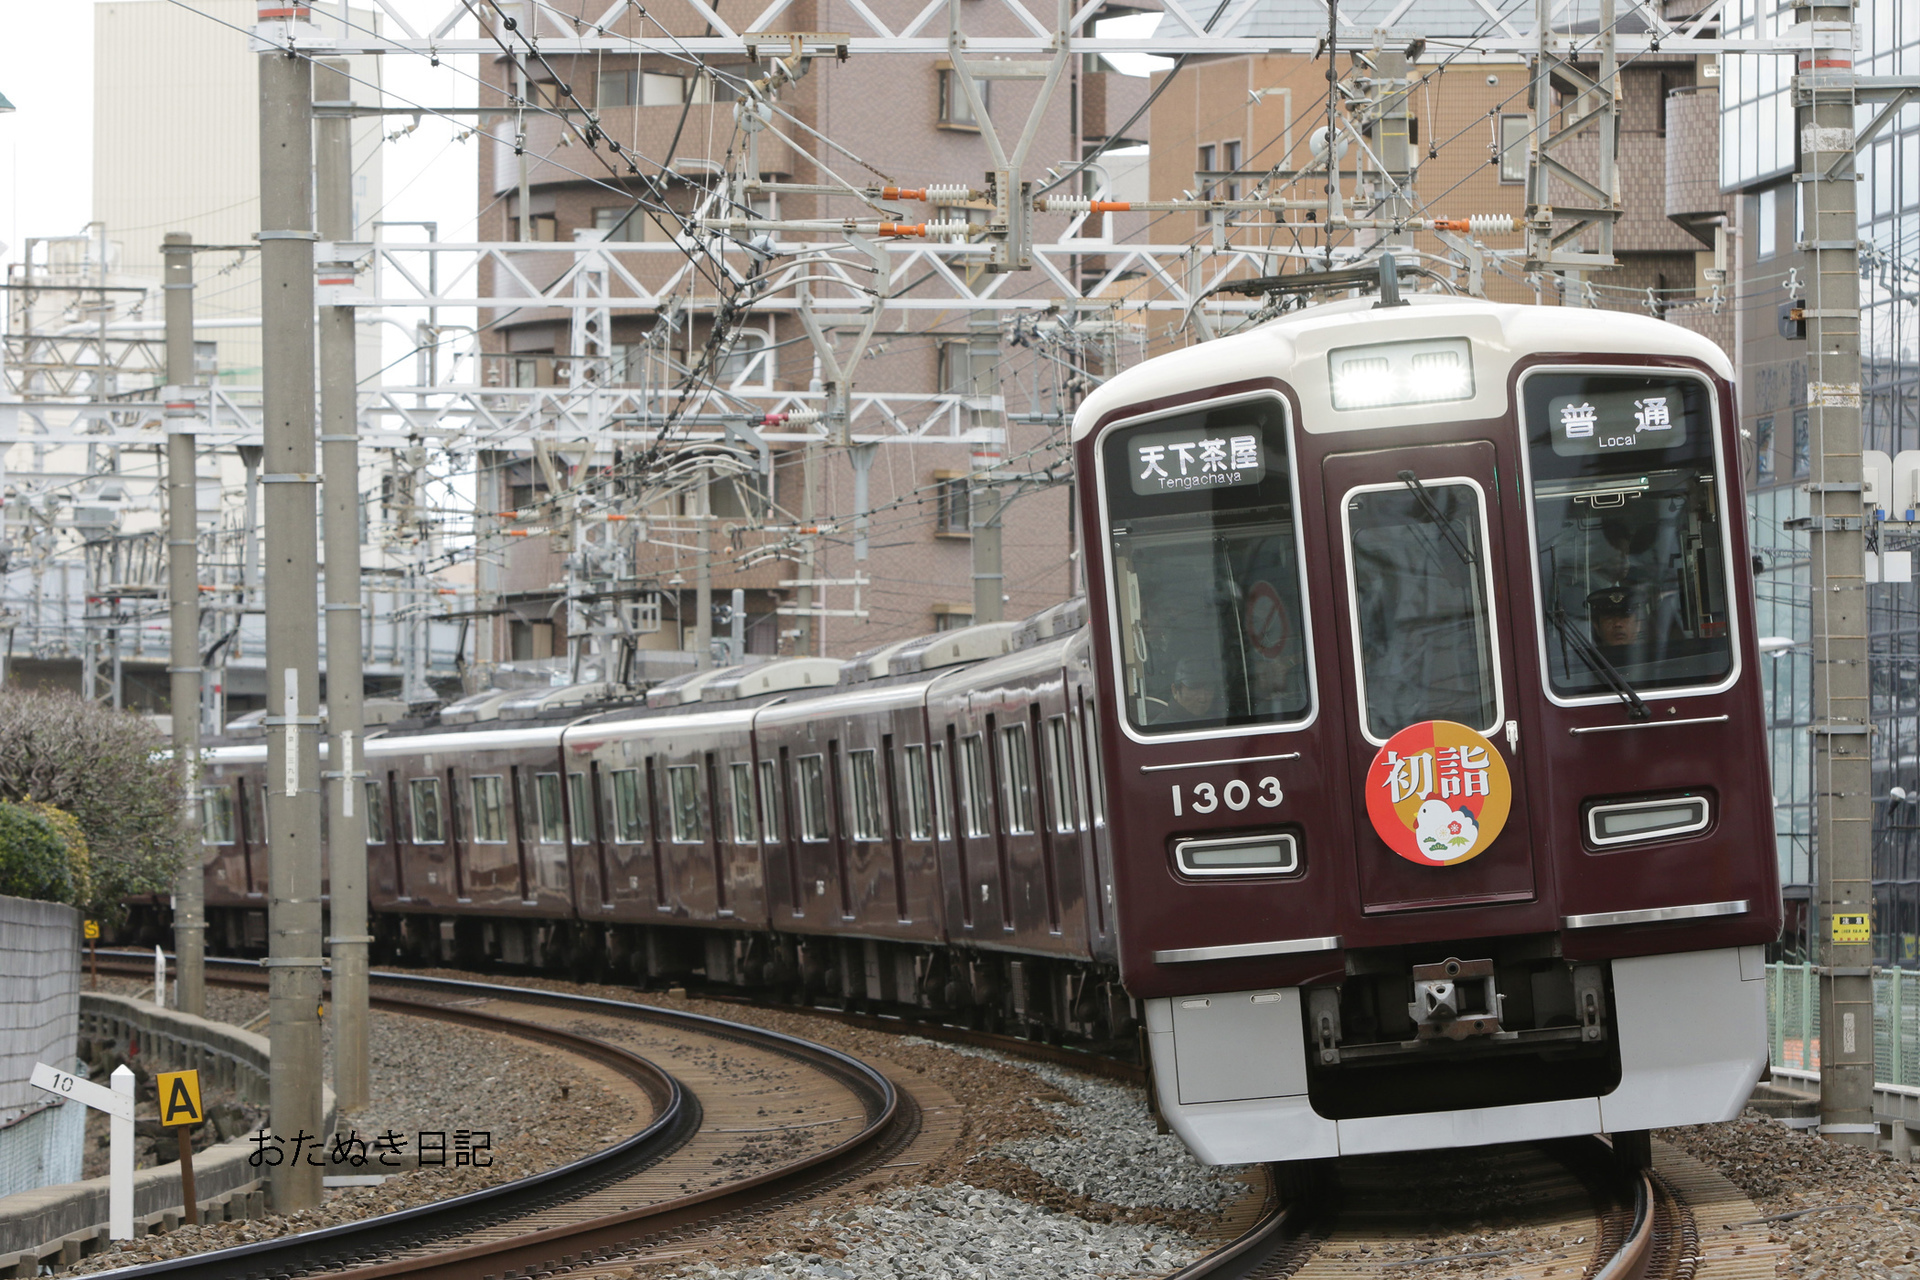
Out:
{"x": 1206, "y": 568}
{"x": 1630, "y": 543}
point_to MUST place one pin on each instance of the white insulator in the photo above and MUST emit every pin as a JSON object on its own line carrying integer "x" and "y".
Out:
{"x": 948, "y": 193}
{"x": 1068, "y": 204}
{"x": 802, "y": 417}
{"x": 1481, "y": 224}
{"x": 947, "y": 228}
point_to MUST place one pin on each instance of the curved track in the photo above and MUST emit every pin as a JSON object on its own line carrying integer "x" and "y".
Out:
{"x": 676, "y": 1173}
{"x": 1359, "y": 1223}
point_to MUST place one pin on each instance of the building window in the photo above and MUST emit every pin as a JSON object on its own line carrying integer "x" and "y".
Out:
{"x": 955, "y": 373}
{"x": 619, "y": 89}
{"x": 526, "y": 371}
{"x": 952, "y": 505}
{"x": 748, "y": 361}
{"x": 540, "y": 226}
{"x": 429, "y": 825}
{"x": 1515, "y": 139}
{"x": 955, "y": 111}
{"x": 1802, "y": 445}
{"x": 622, "y": 223}
{"x": 1766, "y": 224}
{"x": 1763, "y": 451}
{"x": 1203, "y": 164}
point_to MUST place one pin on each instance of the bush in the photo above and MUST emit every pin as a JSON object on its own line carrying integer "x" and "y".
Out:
{"x": 34, "y": 861}
{"x": 79, "y": 856}
{"x": 109, "y": 770}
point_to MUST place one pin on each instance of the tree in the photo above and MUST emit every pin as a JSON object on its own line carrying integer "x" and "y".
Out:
{"x": 34, "y": 861}
{"x": 111, "y": 771}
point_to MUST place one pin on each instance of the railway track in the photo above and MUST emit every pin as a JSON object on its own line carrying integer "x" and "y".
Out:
{"x": 1567, "y": 1210}
{"x": 1377, "y": 1217}
{"x": 724, "y": 1094}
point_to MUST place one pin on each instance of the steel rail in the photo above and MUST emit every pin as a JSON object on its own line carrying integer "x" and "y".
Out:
{"x": 341, "y": 1249}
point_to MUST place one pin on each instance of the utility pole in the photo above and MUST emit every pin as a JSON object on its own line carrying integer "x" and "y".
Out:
{"x": 183, "y": 608}
{"x": 293, "y": 633}
{"x": 340, "y": 521}
{"x": 1388, "y": 128}
{"x": 1842, "y": 731}
{"x": 983, "y": 494}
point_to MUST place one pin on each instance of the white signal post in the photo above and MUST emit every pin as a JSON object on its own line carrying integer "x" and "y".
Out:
{"x": 117, "y": 1102}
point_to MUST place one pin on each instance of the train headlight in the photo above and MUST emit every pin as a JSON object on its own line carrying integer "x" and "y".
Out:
{"x": 1382, "y": 374}
{"x": 1641, "y": 820}
{"x": 1271, "y": 855}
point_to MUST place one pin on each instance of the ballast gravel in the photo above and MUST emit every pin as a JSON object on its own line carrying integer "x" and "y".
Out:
{"x": 534, "y": 1102}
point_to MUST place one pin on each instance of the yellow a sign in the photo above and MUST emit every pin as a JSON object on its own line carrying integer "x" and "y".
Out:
{"x": 179, "y": 1096}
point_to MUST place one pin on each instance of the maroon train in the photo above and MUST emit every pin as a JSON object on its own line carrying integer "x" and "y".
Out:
{"x": 1402, "y": 773}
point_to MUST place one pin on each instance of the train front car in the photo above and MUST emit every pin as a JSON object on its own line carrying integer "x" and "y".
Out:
{"x": 1432, "y": 728}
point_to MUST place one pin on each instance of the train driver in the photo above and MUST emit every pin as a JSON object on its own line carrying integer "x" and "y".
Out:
{"x": 1194, "y": 694}
{"x": 1618, "y": 616}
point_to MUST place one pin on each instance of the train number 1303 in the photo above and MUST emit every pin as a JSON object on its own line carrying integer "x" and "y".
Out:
{"x": 1236, "y": 795}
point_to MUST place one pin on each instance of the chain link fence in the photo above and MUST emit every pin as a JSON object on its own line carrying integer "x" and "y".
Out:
{"x": 1793, "y": 1022}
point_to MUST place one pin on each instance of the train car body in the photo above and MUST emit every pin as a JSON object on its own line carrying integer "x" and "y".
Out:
{"x": 1402, "y": 772}
{"x": 1424, "y": 635}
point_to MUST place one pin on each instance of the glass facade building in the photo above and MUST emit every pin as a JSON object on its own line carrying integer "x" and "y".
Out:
{"x": 1757, "y": 159}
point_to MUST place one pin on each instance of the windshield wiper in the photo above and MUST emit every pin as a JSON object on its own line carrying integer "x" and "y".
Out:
{"x": 1597, "y": 661}
{"x": 1432, "y": 508}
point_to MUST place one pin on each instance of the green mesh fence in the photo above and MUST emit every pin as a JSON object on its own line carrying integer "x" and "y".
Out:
{"x": 1793, "y": 1022}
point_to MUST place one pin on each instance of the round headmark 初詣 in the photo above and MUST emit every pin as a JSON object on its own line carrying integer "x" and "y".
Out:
{"x": 1438, "y": 793}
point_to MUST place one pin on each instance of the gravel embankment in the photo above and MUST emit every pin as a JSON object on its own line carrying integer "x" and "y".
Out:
{"x": 1856, "y": 1212}
{"x": 536, "y": 1104}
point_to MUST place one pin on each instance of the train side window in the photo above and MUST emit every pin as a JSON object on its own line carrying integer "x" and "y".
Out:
{"x": 216, "y": 815}
{"x": 942, "y": 802}
{"x": 864, "y": 774}
{"x": 376, "y": 813}
{"x": 919, "y": 806}
{"x": 629, "y": 826}
{"x": 546, "y": 791}
{"x": 974, "y": 784}
{"x": 683, "y": 803}
{"x": 769, "y": 801}
{"x": 429, "y": 818}
{"x": 580, "y": 805}
{"x": 1016, "y": 780}
{"x": 489, "y": 810}
{"x": 740, "y": 783}
{"x": 1422, "y": 612}
{"x": 812, "y": 780}
{"x": 1063, "y": 783}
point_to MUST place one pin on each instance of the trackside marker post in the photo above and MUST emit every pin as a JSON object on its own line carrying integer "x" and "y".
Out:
{"x": 117, "y": 1102}
{"x": 179, "y": 1095}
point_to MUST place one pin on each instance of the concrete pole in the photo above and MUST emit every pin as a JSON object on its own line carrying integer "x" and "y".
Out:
{"x": 810, "y": 567}
{"x": 703, "y": 583}
{"x": 183, "y": 608}
{"x": 1389, "y": 93}
{"x": 340, "y": 527}
{"x": 984, "y": 502}
{"x": 292, "y": 624}
{"x": 1842, "y": 733}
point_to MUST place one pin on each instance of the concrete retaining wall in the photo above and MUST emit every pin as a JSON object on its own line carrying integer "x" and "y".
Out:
{"x": 39, "y": 1021}
{"x": 71, "y": 1218}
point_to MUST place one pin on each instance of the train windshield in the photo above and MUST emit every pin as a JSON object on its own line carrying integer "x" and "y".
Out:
{"x": 1629, "y": 536}
{"x": 1206, "y": 570}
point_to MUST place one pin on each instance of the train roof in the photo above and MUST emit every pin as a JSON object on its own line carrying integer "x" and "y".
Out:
{"x": 1295, "y": 348}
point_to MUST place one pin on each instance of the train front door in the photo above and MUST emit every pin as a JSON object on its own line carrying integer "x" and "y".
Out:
{"x": 1420, "y": 578}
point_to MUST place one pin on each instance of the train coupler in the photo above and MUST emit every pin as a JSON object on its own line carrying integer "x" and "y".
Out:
{"x": 1455, "y": 1000}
